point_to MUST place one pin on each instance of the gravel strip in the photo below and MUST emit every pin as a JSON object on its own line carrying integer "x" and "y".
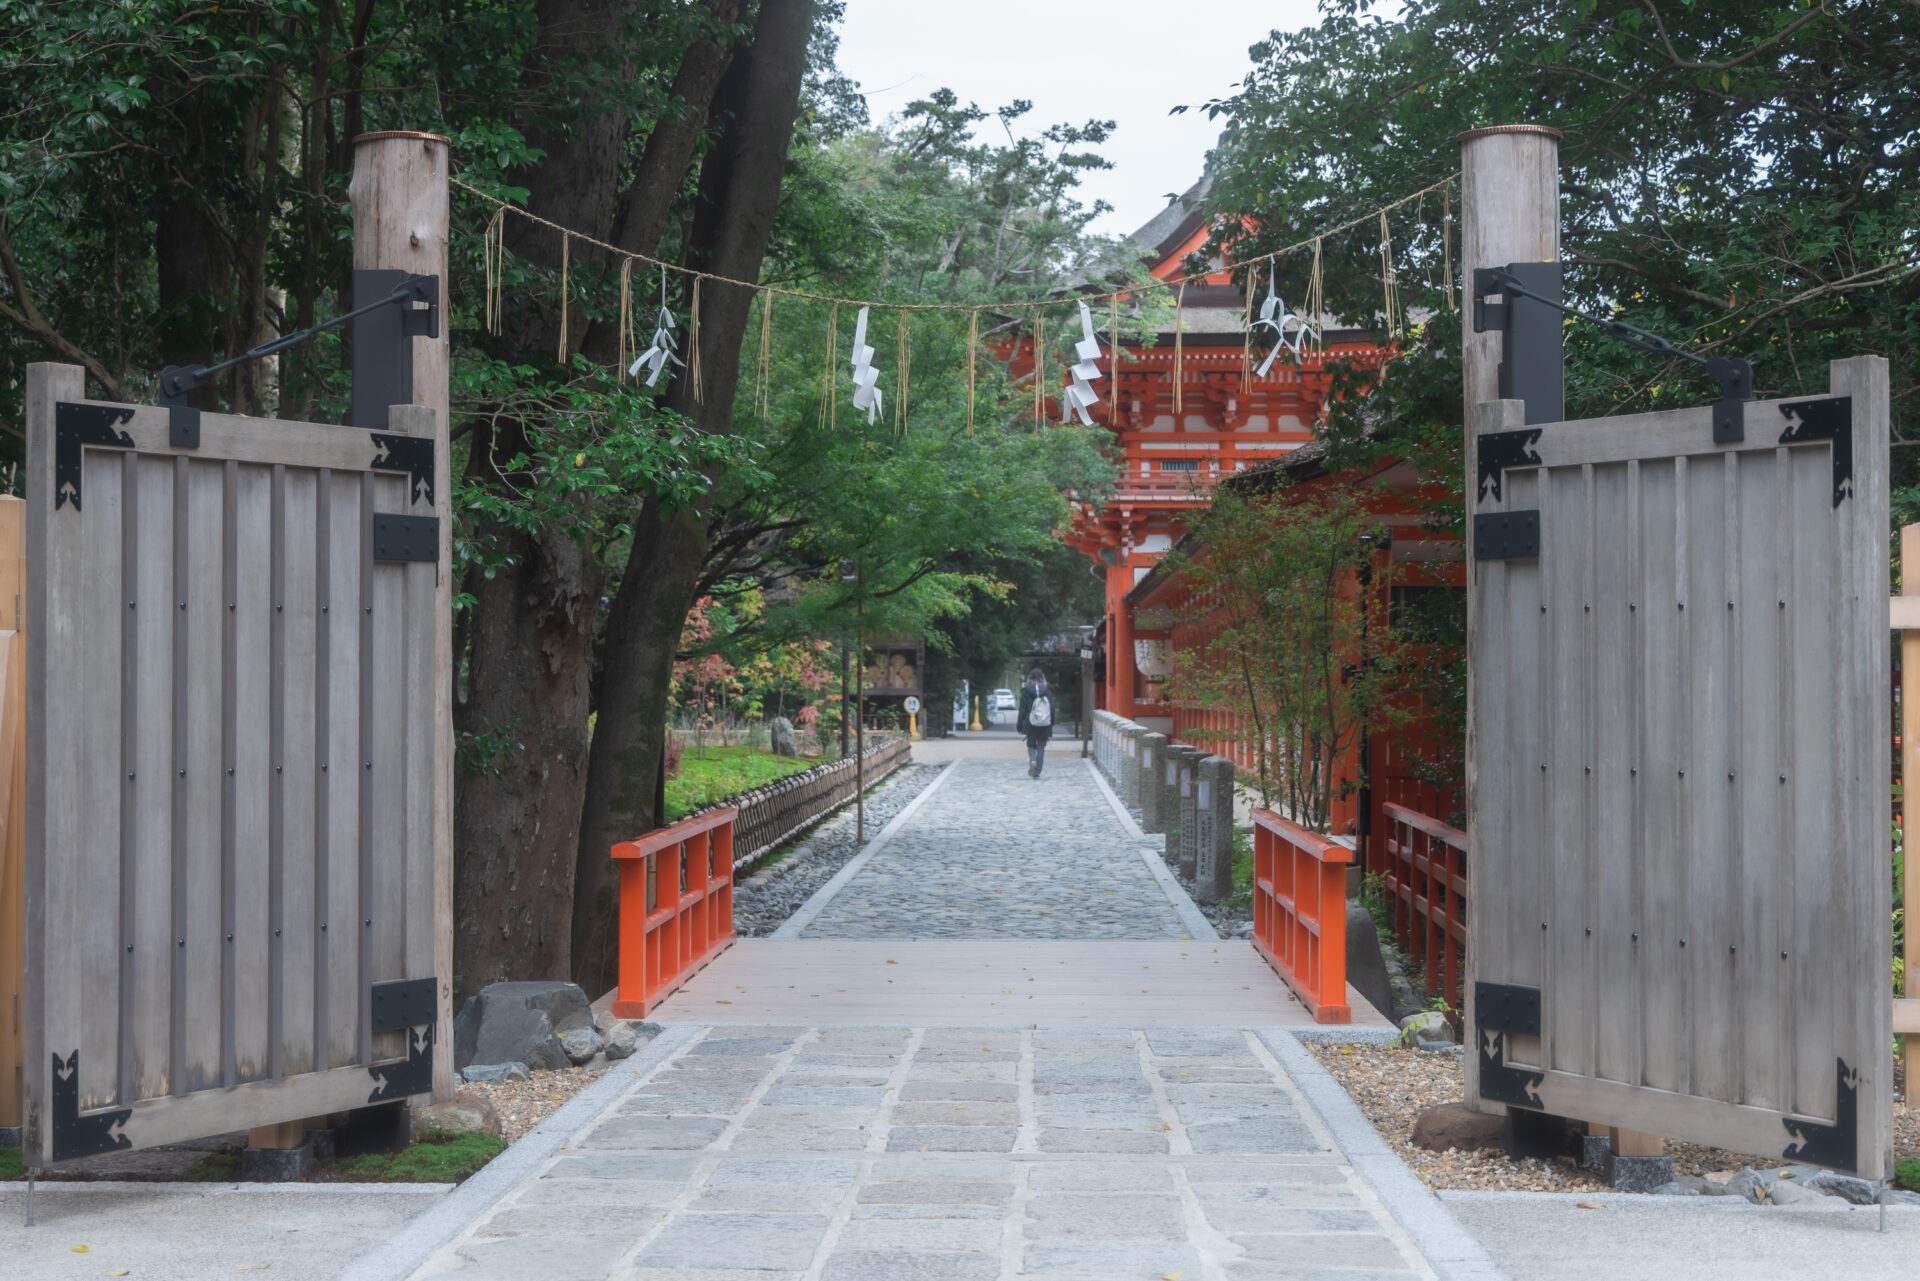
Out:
{"x": 1393, "y": 1086}
{"x": 788, "y": 877}
{"x": 521, "y": 1105}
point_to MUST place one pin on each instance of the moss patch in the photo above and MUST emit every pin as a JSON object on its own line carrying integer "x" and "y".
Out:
{"x": 1907, "y": 1174}
{"x": 215, "y": 1167}
{"x": 437, "y": 1157}
{"x": 12, "y": 1165}
{"x": 723, "y": 772}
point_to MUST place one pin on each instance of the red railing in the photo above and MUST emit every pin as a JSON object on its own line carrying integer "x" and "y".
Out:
{"x": 1300, "y": 912}
{"x": 1425, "y": 876}
{"x": 676, "y": 907}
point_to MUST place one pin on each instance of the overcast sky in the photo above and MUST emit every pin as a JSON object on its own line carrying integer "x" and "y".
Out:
{"x": 1128, "y": 61}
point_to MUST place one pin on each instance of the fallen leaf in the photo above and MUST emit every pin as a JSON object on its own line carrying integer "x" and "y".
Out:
{"x": 891, "y": 961}
{"x": 1171, "y": 1276}
{"x": 118, "y": 1272}
{"x": 1590, "y": 1205}
{"x": 721, "y": 1002}
{"x": 80, "y": 1249}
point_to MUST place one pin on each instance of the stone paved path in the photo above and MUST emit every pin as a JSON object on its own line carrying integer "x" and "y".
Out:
{"x": 947, "y": 1154}
{"x": 995, "y": 854}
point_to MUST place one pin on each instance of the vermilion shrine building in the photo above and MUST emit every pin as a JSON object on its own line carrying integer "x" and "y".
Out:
{"x": 1173, "y": 461}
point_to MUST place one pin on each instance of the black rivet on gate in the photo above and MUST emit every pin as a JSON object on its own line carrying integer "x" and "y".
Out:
{"x": 1731, "y": 949}
{"x": 1632, "y": 605}
{"x": 369, "y": 609}
{"x": 277, "y": 769}
{"x": 325, "y": 608}
{"x": 1783, "y": 778}
{"x": 1543, "y": 925}
{"x": 1729, "y": 776}
{"x": 1683, "y": 773}
{"x": 129, "y": 947}
{"x": 1543, "y": 609}
{"x": 1589, "y": 931}
{"x": 183, "y": 773}
{"x": 1543, "y": 767}
{"x": 276, "y": 931}
{"x": 1635, "y": 770}
{"x": 323, "y": 767}
{"x": 1589, "y": 769}
{"x": 229, "y": 771}
{"x": 1636, "y": 936}
{"x": 1588, "y": 608}
{"x": 1729, "y": 604}
{"x": 129, "y": 774}
{"x": 1683, "y": 942}
{"x": 129, "y": 604}
{"x": 183, "y": 942}
{"x": 229, "y": 938}
{"x": 1783, "y": 956}
{"x": 1783, "y": 605}
{"x": 369, "y": 922}
{"x": 323, "y": 927}
{"x": 1682, "y": 604}
{"x": 229, "y": 606}
{"x": 278, "y": 608}
{"x": 369, "y": 764}
{"x": 183, "y": 604}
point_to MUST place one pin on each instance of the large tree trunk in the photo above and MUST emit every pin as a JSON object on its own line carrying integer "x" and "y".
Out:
{"x": 531, "y": 630}
{"x": 759, "y": 98}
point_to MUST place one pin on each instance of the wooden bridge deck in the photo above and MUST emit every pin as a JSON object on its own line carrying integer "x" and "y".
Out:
{"x": 1135, "y": 983}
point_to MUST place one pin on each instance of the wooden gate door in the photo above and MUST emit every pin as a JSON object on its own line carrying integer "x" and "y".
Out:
{"x": 1678, "y": 773}
{"x": 230, "y": 771}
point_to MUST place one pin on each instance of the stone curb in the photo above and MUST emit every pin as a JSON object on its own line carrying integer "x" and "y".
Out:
{"x": 816, "y": 903}
{"x": 400, "y": 1254}
{"x": 1442, "y": 1239}
{"x": 1198, "y": 926}
{"x": 1691, "y": 1204}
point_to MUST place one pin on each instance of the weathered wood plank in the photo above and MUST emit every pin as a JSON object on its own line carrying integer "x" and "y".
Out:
{"x": 1759, "y": 976}
{"x": 296, "y": 770}
{"x": 1655, "y": 772}
{"x": 1611, "y": 901}
{"x": 387, "y": 852}
{"x": 200, "y": 660}
{"x": 249, "y": 729}
{"x": 340, "y": 768}
{"x": 98, "y": 950}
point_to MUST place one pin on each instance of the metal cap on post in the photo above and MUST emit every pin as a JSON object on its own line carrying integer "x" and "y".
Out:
{"x": 400, "y": 198}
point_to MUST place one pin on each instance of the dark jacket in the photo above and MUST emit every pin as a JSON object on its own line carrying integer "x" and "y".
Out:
{"x": 1027, "y": 692}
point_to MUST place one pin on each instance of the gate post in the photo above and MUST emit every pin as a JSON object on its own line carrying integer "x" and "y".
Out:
{"x": 1153, "y": 767}
{"x": 1509, "y": 212}
{"x": 1213, "y": 811}
{"x": 399, "y": 196}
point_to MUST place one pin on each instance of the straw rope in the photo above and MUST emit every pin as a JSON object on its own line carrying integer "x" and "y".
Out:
{"x": 566, "y": 239}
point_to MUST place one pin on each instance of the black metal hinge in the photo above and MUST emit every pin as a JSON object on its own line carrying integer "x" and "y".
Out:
{"x": 1835, "y": 1146}
{"x": 76, "y": 426}
{"x": 404, "y": 1003}
{"x": 1507, "y": 1007}
{"x": 406, "y": 1077}
{"x": 75, "y": 1135}
{"x": 1829, "y": 418}
{"x": 1506, "y": 535}
{"x": 1499, "y": 450}
{"x": 1516, "y": 1086}
{"x": 410, "y": 454}
{"x": 406, "y": 537}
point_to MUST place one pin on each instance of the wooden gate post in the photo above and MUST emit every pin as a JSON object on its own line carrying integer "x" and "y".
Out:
{"x": 399, "y": 195}
{"x": 1509, "y": 212}
{"x": 1909, "y": 778}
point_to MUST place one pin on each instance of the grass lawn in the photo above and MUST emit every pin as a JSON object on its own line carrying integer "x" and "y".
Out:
{"x": 724, "y": 772}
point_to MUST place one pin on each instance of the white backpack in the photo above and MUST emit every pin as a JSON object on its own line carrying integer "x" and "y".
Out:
{"x": 1040, "y": 715}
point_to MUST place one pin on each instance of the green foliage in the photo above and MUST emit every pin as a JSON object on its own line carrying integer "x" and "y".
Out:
{"x": 1739, "y": 177}
{"x": 1373, "y": 897}
{"x": 214, "y": 1167}
{"x": 1907, "y": 1174}
{"x": 1299, "y": 645}
{"x": 12, "y": 1164}
{"x": 706, "y": 780}
{"x": 434, "y": 1157}
{"x": 1242, "y": 865}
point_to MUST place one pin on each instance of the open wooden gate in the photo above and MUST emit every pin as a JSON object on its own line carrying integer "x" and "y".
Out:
{"x": 1678, "y": 769}
{"x": 231, "y": 829}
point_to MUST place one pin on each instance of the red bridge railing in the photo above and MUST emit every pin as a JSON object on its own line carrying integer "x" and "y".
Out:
{"x": 1425, "y": 875}
{"x": 1300, "y": 912}
{"x": 676, "y": 907}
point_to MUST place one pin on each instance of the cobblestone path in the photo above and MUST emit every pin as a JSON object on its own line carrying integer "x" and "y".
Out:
{"x": 995, "y": 854}
{"x": 946, "y": 1154}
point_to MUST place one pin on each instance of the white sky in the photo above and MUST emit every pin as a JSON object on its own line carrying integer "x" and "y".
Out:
{"x": 1123, "y": 60}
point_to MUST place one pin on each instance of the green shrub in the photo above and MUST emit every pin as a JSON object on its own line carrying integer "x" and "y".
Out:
{"x": 436, "y": 1157}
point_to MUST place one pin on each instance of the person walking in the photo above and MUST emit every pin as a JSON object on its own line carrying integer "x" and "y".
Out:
{"x": 1036, "y": 719}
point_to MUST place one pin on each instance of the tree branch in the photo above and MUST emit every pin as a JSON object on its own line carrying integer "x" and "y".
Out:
{"x": 28, "y": 317}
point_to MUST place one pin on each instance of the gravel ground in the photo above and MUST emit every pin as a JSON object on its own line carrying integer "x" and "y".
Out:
{"x": 521, "y": 1105}
{"x": 1393, "y": 1086}
{"x": 763, "y": 901}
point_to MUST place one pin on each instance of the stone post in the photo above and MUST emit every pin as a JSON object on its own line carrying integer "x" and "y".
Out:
{"x": 1189, "y": 813}
{"x": 1179, "y": 756}
{"x": 1130, "y": 764}
{"x": 1153, "y": 768}
{"x": 1213, "y": 806}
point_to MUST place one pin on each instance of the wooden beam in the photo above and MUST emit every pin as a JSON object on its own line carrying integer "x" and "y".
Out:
{"x": 399, "y": 197}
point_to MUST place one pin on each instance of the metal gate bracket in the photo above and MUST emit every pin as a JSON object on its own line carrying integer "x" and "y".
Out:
{"x": 406, "y": 538}
{"x": 76, "y": 426}
{"x": 404, "y": 1078}
{"x": 75, "y": 1135}
{"x": 1517, "y": 1086}
{"x": 1506, "y": 1007}
{"x": 410, "y": 454}
{"x": 1835, "y": 1146}
{"x": 1499, "y": 450}
{"x": 1829, "y": 418}
{"x": 1506, "y": 535}
{"x": 403, "y": 1003}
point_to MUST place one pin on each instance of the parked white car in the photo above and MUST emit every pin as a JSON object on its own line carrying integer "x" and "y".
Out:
{"x": 1004, "y": 701}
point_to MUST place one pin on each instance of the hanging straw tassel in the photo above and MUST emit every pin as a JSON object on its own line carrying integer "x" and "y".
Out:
{"x": 903, "y": 354}
{"x": 1113, "y": 360}
{"x": 1446, "y": 243}
{"x": 829, "y": 385}
{"x": 1039, "y": 366}
{"x": 1313, "y": 303}
{"x": 1389, "y": 280}
{"x": 566, "y": 242}
{"x": 626, "y": 319}
{"x": 493, "y": 252}
{"x": 1246, "y": 332}
{"x": 973, "y": 345}
{"x": 693, "y": 342}
{"x": 1179, "y": 351}
{"x": 764, "y": 391}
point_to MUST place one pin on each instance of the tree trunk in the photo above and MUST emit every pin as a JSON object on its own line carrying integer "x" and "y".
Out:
{"x": 531, "y": 630}
{"x": 517, "y": 829}
{"x": 739, "y": 191}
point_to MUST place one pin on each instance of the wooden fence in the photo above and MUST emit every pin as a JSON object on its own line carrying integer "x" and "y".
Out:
{"x": 771, "y": 814}
{"x": 676, "y": 907}
{"x": 1424, "y": 872}
{"x": 1300, "y": 912}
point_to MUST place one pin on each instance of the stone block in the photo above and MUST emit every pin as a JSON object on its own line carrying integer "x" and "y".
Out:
{"x": 952, "y": 1138}
{"x": 519, "y": 1023}
{"x": 1213, "y": 834}
{"x": 277, "y": 1165}
{"x": 1639, "y": 1173}
{"x": 581, "y": 1044}
{"x": 486, "y": 1073}
{"x": 1058, "y": 1216}
{"x": 657, "y": 1133}
{"x": 1455, "y": 1125}
{"x": 1112, "y": 1259}
{"x": 907, "y": 1265}
{"x": 769, "y": 1242}
{"x": 1130, "y": 735}
{"x": 624, "y": 1037}
{"x": 921, "y": 1234}
{"x": 466, "y": 1112}
{"x": 1153, "y": 749}
{"x": 1366, "y": 967}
